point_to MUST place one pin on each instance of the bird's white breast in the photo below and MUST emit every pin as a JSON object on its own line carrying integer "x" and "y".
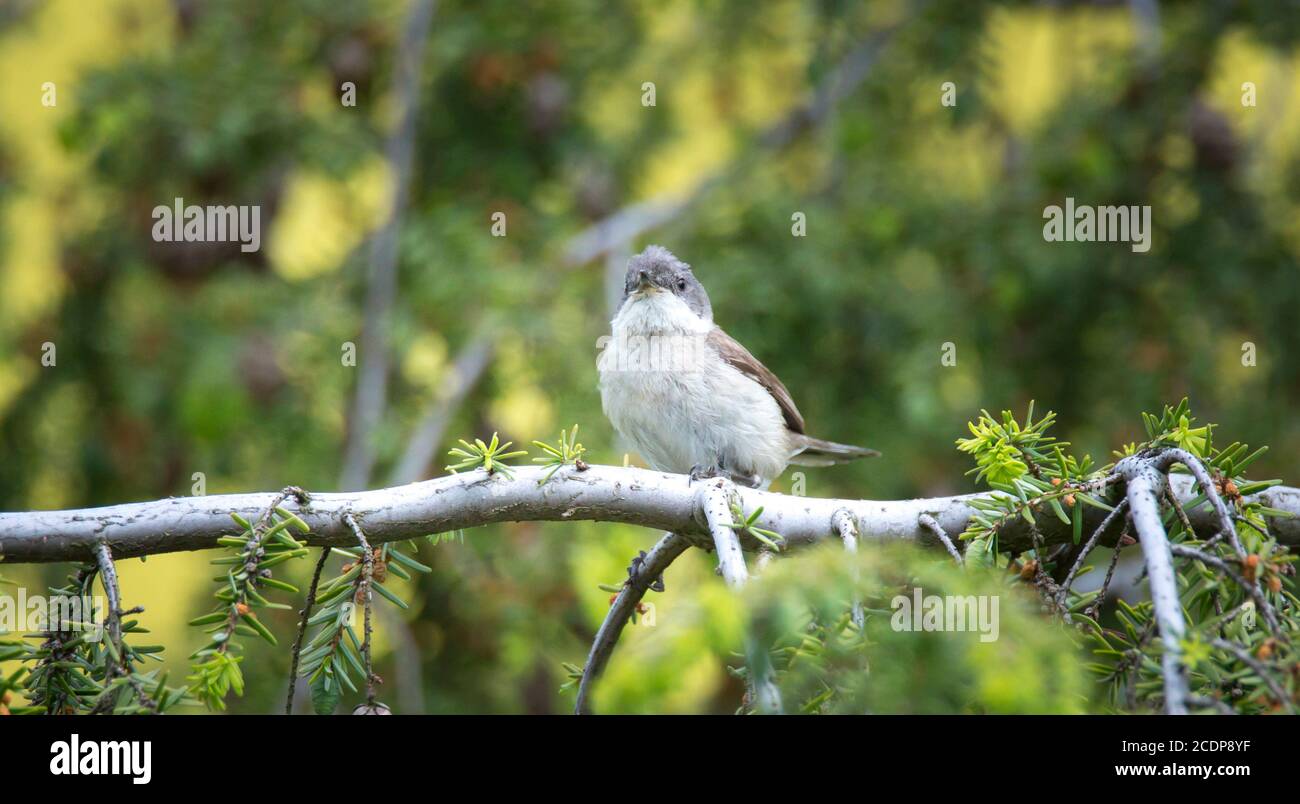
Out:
{"x": 678, "y": 402}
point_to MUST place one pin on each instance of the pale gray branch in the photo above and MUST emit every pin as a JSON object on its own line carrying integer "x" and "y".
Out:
{"x": 844, "y": 525}
{"x": 715, "y": 503}
{"x": 1144, "y": 486}
{"x": 453, "y": 502}
{"x": 1227, "y": 529}
{"x": 932, "y": 526}
{"x": 113, "y": 591}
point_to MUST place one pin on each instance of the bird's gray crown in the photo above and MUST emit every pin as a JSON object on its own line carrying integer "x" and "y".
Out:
{"x": 656, "y": 266}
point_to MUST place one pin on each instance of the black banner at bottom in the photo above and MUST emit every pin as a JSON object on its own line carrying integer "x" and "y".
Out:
{"x": 336, "y": 754}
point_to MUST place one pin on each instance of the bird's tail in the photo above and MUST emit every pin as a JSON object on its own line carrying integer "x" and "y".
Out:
{"x": 809, "y": 451}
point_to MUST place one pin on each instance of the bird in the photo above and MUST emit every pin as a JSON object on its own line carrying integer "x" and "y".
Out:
{"x": 689, "y": 397}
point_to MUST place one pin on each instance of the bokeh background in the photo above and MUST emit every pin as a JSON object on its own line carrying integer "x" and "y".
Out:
{"x": 924, "y": 226}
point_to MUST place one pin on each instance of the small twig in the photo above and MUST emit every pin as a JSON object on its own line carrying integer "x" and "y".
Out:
{"x": 367, "y": 573}
{"x": 1095, "y": 607}
{"x": 1252, "y": 589}
{"x": 715, "y": 503}
{"x": 1239, "y": 518}
{"x": 932, "y": 525}
{"x": 764, "y": 694}
{"x": 304, "y": 615}
{"x": 113, "y": 591}
{"x": 1133, "y": 660}
{"x": 1226, "y": 527}
{"x": 1143, "y": 485}
{"x": 252, "y": 554}
{"x": 1222, "y": 620}
{"x": 1254, "y": 664}
{"x": 1178, "y": 508}
{"x": 1088, "y": 548}
{"x": 108, "y": 577}
{"x": 643, "y": 574}
{"x": 847, "y": 527}
{"x": 1043, "y": 581}
{"x": 264, "y": 521}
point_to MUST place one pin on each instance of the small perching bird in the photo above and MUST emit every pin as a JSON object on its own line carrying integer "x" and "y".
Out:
{"x": 688, "y": 396}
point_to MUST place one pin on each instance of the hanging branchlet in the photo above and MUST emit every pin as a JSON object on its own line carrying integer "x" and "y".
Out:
{"x": 1116, "y": 514}
{"x": 336, "y": 655}
{"x": 303, "y": 616}
{"x": 366, "y": 596}
{"x": 255, "y": 552}
{"x": 83, "y": 666}
{"x": 642, "y": 575}
{"x": 117, "y": 695}
{"x": 62, "y": 679}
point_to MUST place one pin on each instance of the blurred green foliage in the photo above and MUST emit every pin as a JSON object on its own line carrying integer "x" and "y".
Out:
{"x": 924, "y": 228}
{"x": 800, "y": 612}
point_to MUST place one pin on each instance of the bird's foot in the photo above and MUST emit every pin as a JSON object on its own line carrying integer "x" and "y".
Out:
{"x": 700, "y": 472}
{"x": 634, "y": 569}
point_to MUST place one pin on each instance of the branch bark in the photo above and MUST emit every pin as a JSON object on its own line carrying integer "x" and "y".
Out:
{"x": 843, "y": 523}
{"x": 601, "y": 493}
{"x": 1144, "y": 485}
{"x": 715, "y": 502}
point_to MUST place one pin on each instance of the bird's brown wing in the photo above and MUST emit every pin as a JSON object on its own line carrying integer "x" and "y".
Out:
{"x": 740, "y": 358}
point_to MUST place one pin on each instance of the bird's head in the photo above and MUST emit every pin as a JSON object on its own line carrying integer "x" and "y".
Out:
{"x": 656, "y": 271}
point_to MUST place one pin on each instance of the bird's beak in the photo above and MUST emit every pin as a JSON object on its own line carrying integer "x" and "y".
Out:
{"x": 644, "y": 284}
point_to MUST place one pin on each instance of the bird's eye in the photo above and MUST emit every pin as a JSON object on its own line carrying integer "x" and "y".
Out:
{"x": 681, "y": 284}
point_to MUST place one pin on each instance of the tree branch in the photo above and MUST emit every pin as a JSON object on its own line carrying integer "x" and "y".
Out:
{"x": 932, "y": 526}
{"x": 601, "y": 493}
{"x": 847, "y": 528}
{"x": 303, "y": 617}
{"x": 715, "y": 502}
{"x": 1145, "y": 484}
{"x": 620, "y": 611}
